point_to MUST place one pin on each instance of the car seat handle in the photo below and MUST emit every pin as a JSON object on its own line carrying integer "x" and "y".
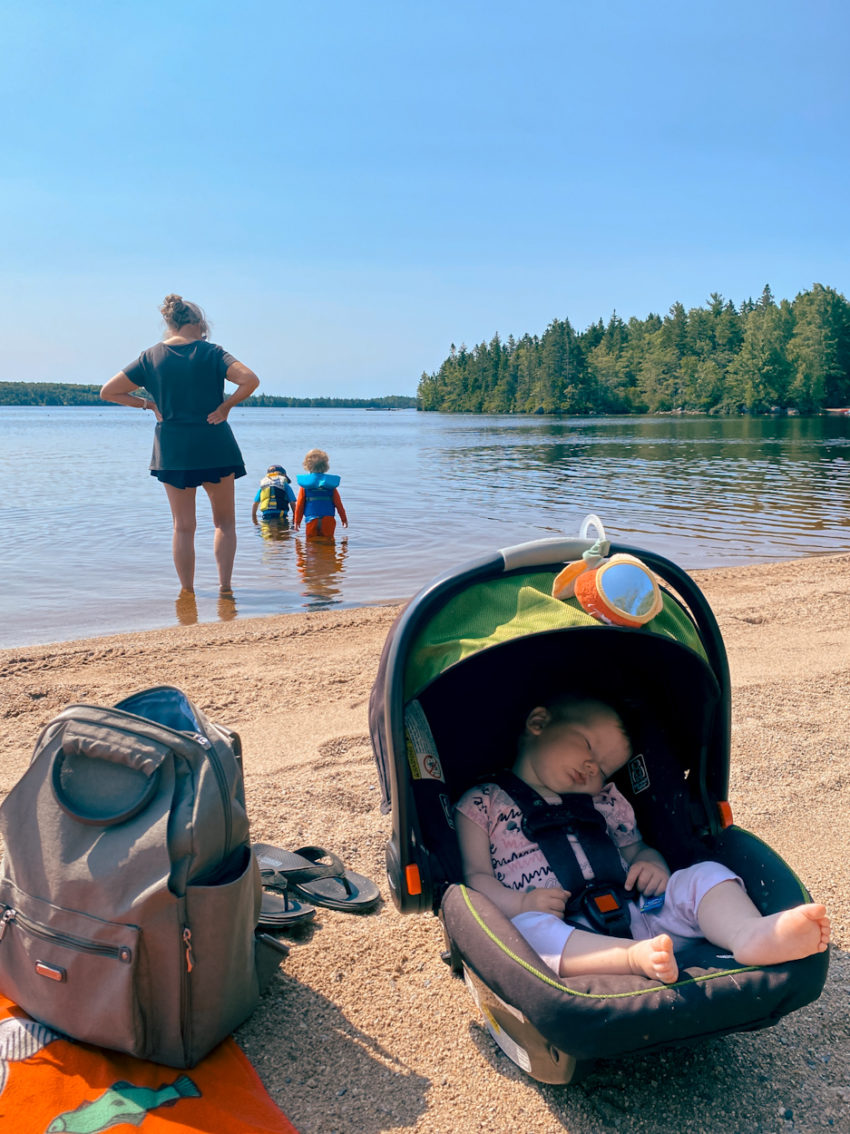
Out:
{"x": 592, "y": 521}
{"x": 545, "y": 552}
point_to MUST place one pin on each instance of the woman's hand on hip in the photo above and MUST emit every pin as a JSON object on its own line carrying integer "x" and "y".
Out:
{"x": 218, "y": 416}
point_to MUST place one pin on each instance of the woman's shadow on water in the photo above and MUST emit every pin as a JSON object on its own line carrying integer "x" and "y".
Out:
{"x": 324, "y": 1072}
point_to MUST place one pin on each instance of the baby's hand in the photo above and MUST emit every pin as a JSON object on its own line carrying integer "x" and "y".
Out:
{"x": 548, "y": 900}
{"x": 648, "y": 878}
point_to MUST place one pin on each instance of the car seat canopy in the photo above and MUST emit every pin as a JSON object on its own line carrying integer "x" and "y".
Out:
{"x": 514, "y": 606}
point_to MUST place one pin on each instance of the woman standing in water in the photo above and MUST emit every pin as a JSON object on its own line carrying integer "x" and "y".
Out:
{"x": 193, "y": 443}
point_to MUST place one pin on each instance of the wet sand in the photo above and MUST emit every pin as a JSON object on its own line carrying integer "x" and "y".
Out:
{"x": 364, "y": 1029}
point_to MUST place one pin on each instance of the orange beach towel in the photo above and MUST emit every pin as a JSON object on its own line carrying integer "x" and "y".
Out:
{"x": 49, "y": 1084}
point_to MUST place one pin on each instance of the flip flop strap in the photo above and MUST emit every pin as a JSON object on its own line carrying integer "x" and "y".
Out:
{"x": 334, "y": 868}
{"x": 287, "y": 901}
{"x": 277, "y": 878}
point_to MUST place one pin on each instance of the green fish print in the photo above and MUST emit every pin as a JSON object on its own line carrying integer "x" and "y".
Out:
{"x": 122, "y": 1102}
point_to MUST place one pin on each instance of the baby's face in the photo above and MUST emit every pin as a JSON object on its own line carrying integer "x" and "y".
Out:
{"x": 579, "y": 757}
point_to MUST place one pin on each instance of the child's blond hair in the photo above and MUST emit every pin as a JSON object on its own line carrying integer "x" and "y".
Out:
{"x": 317, "y": 461}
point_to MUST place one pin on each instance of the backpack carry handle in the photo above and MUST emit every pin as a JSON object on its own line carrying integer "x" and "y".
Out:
{"x": 96, "y": 764}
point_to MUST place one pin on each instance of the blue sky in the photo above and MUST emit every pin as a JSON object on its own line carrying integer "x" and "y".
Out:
{"x": 349, "y": 187}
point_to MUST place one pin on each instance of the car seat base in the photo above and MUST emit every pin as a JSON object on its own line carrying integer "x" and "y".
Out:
{"x": 521, "y": 1042}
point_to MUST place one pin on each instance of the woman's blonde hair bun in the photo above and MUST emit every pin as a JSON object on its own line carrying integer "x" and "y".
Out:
{"x": 177, "y": 312}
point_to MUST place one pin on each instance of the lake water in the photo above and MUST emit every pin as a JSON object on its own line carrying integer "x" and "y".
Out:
{"x": 85, "y": 531}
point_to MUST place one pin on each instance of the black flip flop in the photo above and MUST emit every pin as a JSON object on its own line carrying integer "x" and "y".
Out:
{"x": 322, "y": 883}
{"x": 282, "y": 910}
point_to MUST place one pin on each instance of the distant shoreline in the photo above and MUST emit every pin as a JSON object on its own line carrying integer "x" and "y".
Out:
{"x": 69, "y": 394}
{"x": 77, "y": 394}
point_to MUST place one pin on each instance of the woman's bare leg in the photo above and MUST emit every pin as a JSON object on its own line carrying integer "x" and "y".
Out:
{"x": 224, "y": 517}
{"x": 182, "y": 502}
{"x": 586, "y": 953}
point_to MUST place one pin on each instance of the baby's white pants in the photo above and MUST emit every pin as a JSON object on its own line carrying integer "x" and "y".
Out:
{"x": 547, "y": 934}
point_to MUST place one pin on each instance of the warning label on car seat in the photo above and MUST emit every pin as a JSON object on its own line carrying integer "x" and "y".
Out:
{"x": 421, "y": 748}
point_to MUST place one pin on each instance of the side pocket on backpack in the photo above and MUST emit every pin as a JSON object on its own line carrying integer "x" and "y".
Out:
{"x": 68, "y": 970}
{"x": 223, "y": 985}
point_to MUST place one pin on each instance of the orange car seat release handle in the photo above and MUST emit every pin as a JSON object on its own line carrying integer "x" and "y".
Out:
{"x": 411, "y": 877}
{"x": 725, "y": 810}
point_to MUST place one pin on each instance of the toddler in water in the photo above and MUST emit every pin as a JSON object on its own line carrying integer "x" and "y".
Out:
{"x": 574, "y": 746}
{"x": 318, "y": 498}
{"x": 274, "y": 497}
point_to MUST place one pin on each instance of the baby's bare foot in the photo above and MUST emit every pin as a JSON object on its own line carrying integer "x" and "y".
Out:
{"x": 786, "y": 936}
{"x": 654, "y": 959}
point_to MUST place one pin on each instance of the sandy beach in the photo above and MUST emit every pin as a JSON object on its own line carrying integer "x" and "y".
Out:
{"x": 364, "y": 1029}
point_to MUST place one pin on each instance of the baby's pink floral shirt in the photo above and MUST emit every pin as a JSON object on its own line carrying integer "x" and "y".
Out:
{"x": 517, "y": 862}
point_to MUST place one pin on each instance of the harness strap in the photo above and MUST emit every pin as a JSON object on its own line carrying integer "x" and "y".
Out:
{"x": 601, "y": 900}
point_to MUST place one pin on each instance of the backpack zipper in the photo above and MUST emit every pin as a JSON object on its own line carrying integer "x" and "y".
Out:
{"x": 188, "y": 963}
{"x": 187, "y": 941}
{"x": 121, "y": 953}
{"x": 221, "y": 778}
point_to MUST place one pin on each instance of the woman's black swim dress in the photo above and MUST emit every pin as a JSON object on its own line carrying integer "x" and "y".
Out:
{"x": 186, "y": 380}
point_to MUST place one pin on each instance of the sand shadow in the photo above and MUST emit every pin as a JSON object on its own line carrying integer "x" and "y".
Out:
{"x": 325, "y": 1073}
{"x": 788, "y": 1076}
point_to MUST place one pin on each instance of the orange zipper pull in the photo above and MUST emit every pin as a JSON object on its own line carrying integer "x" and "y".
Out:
{"x": 187, "y": 941}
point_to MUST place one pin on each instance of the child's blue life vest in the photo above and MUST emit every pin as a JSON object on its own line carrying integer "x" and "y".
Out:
{"x": 273, "y": 497}
{"x": 319, "y": 494}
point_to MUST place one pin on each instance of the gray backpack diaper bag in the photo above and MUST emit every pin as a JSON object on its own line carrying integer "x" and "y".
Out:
{"x": 129, "y": 895}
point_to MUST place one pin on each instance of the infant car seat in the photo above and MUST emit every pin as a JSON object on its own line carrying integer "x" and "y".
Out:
{"x": 461, "y": 667}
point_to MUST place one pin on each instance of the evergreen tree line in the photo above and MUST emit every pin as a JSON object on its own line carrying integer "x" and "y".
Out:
{"x": 762, "y": 357}
{"x": 389, "y": 401}
{"x": 69, "y": 394}
{"x": 48, "y": 394}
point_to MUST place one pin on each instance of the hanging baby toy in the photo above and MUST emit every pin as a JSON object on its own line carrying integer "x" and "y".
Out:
{"x": 620, "y": 590}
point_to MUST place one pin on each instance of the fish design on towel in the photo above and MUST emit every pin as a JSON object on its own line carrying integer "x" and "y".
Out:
{"x": 19, "y": 1039}
{"x": 122, "y": 1102}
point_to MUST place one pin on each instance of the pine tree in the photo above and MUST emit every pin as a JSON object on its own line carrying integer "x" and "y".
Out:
{"x": 819, "y": 350}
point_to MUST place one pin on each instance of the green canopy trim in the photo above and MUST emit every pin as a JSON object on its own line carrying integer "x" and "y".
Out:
{"x": 514, "y": 606}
